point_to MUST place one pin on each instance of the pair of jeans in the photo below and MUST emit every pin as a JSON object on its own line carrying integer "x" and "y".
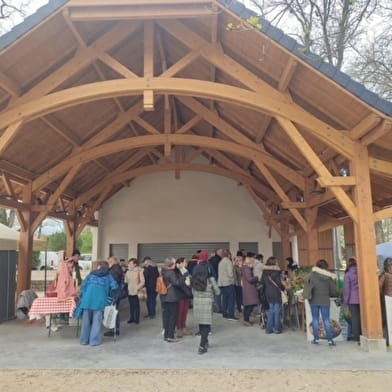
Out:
{"x": 248, "y": 311}
{"x": 91, "y": 332}
{"x": 355, "y": 321}
{"x": 204, "y": 330}
{"x": 151, "y": 302}
{"x": 228, "y": 299}
{"x": 182, "y": 313}
{"x": 274, "y": 314}
{"x": 238, "y": 298}
{"x": 169, "y": 318}
{"x": 134, "y": 308}
{"x": 324, "y": 311}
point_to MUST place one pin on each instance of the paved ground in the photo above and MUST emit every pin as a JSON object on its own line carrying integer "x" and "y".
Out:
{"x": 233, "y": 346}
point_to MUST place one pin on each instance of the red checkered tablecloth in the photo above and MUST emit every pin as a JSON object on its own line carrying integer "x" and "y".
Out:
{"x": 52, "y": 305}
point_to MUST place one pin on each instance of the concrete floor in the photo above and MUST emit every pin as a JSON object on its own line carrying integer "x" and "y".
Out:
{"x": 233, "y": 346}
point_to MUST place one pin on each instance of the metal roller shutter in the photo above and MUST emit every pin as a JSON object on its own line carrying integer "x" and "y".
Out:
{"x": 8, "y": 261}
{"x": 158, "y": 252}
{"x": 249, "y": 246}
{"x": 119, "y": 250}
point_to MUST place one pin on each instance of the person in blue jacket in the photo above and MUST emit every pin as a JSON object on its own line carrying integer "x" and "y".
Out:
{"x": 94, "y": 295}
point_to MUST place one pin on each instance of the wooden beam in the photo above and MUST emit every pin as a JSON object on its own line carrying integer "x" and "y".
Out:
{"x": 53, "y": 199}
{"x": 148, "y": 100}
{"x": 364, "y": 126}
{"x": 281, "y": 193}
{"x": 287, "y": 74}
{"x": 237, "y": 136}
{"x": 104, "y": 3}
{"x": 8, "y": 135}
{"x": 181, "y": 64}
{"x": 193, "y": 155}
{"x": 82, "y": 59}
{"x": 339, "y": 140}
{"x": 58, "y": 127}
{"x": 378, "y": 132}
{"x": 189, "y": 125}
{"x": 174, "y": 86}
{"x": 146, "y": 125}
{"x": 130, "y": 12}
{"x": 292, "y": 204}
{"x": 115, "y": 65}
{"x": 143, "y": 141}
{"x": 148, "y": 49}
{"x": 383, "y": 214}
{"x": 336, "y": 181}
{"x": 317, "y": 165}
{"x": 381, "y": 167}
{"x": 9, "y": 85}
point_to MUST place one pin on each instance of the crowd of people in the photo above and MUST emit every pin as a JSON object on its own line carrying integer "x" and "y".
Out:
{"x": 237, "y": 287}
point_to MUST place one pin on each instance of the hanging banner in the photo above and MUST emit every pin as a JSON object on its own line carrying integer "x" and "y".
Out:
{"x": 334, "y": 318}
{"x": 388, "y": 309}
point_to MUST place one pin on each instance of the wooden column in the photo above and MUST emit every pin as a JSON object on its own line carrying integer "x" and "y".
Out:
{"x": 71, "y": 226}
{"x": 312, "y": 240}
{"x": 365, "y": 245}
{"x": 25, "y": 245}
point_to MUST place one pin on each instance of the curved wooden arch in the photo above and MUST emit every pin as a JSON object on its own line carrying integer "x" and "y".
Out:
{"x": 178, "y": 86}
{"x": 140, "y": 171}
{"x": 145, "y": 141}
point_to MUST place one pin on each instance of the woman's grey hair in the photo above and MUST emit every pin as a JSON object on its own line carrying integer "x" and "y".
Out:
{"x": 169, "y": 261}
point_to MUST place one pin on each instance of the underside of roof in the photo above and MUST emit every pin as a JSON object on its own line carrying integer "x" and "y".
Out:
{"x": 92, "y": 96}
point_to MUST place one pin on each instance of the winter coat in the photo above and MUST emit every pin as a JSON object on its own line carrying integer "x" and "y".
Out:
{"x": 351, "y": 287}
{"x": 135, "y": 279}
{"x": 271, "y": 292}
{"x": 324, "y": 286}
{"x": 203, "y": 301}
{"x": 151, "y": 274}
{"x": 225, "y": 272}
{"x": 250, "y": 296}
{"x": 185, "y": 280}
{"x": 173, "y": 281}
{"x": 95, "y": 291}
{"x": 117, "y": 272}
{"x": 386, "y": 284}
{"x": 214, "y": 261}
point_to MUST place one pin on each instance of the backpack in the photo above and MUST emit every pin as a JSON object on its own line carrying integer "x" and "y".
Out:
{"x": 199, "y": 280}
{"x": 161, "y": 287}
{"x": 308, "y": 290}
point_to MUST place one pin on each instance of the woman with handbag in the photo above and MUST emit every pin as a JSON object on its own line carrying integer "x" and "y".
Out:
{"x": 135, "y": 280}
{"x": 186, "y": 295}
{"x": 94, "y": 295}
{"x": 250, "y": 296}
{"x": 273, "y": 287}
{"x": 323, "y": 285}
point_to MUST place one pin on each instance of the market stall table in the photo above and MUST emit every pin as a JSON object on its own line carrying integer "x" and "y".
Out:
{"x": 48, "y": 306}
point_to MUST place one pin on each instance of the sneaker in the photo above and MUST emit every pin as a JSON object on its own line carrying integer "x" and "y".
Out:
{"x": 331, "y": 343}
{"x": 315, "y": 341}
{"x": 202, "y": 350}
{"x": 172, "y": 340}
{"x": 232, "y": 318}
{"x": 130, "y": 321}
{"x": 197, "y": 333}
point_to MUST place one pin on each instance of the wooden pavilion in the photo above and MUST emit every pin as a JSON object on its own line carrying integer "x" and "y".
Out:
{"x": 94, "y": 93}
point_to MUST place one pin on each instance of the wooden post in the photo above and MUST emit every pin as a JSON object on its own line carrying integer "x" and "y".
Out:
{"x": 312, "y": 240}
{"x": 365, "y": 245}
{"x": 25, "y": 245}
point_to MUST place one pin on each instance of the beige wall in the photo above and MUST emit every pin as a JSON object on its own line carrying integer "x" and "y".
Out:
{"x": 199, "y": 207}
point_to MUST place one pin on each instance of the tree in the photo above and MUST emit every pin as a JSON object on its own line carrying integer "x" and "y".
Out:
{"x": 7, "y": 217}
{"x": 325, "y": 27}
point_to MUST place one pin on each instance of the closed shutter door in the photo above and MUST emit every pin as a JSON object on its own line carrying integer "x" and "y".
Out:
{"x": 8, "y": 261}
{"x": 249, "y": 246}
{"x": 119, "y": 250}
{"x": 158, "y": 252}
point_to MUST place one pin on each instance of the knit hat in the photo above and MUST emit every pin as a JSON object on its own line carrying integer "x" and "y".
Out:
{"x": 203, "y": 255}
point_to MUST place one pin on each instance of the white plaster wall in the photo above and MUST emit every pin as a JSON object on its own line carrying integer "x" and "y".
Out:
{"x": 199, "y": 207}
